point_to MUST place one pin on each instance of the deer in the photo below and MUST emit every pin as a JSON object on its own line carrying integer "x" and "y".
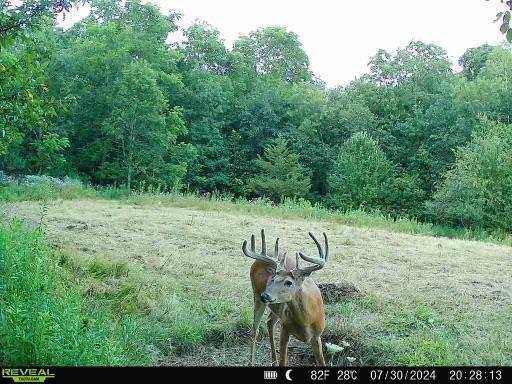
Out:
{"x": 294, "y": 298}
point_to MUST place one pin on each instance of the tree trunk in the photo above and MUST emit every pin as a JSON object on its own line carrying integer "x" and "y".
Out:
{"x": 129, "y": 179}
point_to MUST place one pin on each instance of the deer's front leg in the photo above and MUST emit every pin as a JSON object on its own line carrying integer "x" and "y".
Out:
{"x": 272, "y": 319}
{"x": 316, "y": 344}
{"x": 259, "y": 309}
{"x": 283, "y": 344}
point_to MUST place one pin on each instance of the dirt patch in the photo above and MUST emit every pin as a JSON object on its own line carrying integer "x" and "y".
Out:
{"x": 236, "y": 353}
{"x": 334, "y": 293}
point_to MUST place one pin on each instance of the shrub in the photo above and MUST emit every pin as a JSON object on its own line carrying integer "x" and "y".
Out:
{"x": 477, "y": 191}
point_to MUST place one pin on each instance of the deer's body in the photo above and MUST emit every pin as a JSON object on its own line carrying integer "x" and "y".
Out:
{"x": 294, "y": 300}
{"x": 303, "y": 317}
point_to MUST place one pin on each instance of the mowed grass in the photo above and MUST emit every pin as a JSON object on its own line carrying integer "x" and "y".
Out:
{"x": 175, "y": 278}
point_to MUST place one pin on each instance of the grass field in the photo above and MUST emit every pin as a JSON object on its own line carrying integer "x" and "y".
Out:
{"x": 178, "y": 275}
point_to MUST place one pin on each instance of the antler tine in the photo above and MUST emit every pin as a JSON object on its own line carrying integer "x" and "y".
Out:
{"x": 318, "y": 262}
{"x": 263, "y": 243}
{"x": 326, "y": 247}
{"x": 262, "y": 256}
{"x": 281, "y": 260}
{"x": 320, "y": 251}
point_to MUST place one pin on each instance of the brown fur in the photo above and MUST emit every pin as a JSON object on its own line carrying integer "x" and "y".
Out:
{"x": 301, "y": 314}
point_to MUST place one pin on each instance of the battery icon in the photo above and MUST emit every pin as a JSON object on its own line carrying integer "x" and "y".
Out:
{"x": 270, "y": 375}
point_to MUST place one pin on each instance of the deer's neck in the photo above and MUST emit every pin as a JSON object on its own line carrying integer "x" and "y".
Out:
{"x": 297, "y": 308}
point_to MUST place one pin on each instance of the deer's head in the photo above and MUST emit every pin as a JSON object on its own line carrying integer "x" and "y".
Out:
{"x": 286, "y": 282}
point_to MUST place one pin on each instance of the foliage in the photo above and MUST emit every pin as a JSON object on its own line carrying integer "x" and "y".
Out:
{"x": 17, "y": 17}
{"x": 503, "y": 18}
{"x": 360, "y": 174}
{"x": 477, "y": 191}
{"x": 101, "y": 54}
{"x": 142, "y": 137}
{"x": 30, "y": 140}
{"x": 273, "y": 52}
{"x": 474, "y": 59}
{"x": 403, "y": 196}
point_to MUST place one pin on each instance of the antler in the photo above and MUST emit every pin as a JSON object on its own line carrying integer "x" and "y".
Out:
{"x": 318, "y": 262}
{"x": 272, "y": 261}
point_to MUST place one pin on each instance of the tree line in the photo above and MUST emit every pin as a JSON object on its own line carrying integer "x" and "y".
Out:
{"x": 114, "y": 101}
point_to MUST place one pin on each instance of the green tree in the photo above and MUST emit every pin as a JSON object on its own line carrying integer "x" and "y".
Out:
{"x": 29, "y": 138}
{"x": 204, "y": 49}
{"x": 90, "y": 60}
{"x": 279, "y": 174}
{"x": 474, "y": 59}
{"x": 208, "y": 100}
{"x": 273, "y": 52}
{"x": 141, "y": 132}
{"x": 411, "y": 97}
{"x": 17, "y": 17}
{"x": 404, "y": 196}
{"x": 489, "y": 93}
{"x": 259, "y": 116}
{"x": 477, "y": 191}
{"x": 360, "y": 175}
{"x": 318, "y": 122}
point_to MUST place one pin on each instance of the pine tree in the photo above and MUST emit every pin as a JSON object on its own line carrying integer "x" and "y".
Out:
{"x": 280, "y": 174}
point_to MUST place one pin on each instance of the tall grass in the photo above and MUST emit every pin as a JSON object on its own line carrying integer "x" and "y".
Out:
{"x": 303, "y": 210}
{"x": 288, "y": 209}
{"x": 43, "y": 319}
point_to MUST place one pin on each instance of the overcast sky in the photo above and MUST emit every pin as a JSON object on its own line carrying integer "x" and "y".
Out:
{"x": 339, "y": 36}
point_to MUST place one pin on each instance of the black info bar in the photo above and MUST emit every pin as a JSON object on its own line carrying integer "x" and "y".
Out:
{"x": 258, "y": 374}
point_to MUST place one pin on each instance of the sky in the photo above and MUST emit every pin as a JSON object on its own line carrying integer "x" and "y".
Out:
{"x": 340, "y": 36}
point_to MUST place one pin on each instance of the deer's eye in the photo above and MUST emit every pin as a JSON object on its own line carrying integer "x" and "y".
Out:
{"x": 288, "y": 283}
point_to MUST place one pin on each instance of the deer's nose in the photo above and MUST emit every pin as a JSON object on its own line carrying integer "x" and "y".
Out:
{"x": 265, "y": 297}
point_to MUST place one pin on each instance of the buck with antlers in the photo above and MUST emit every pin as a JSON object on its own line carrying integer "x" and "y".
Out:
{"x": 293, "y": 297}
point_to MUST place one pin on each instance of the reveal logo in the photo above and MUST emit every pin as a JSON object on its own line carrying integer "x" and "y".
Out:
{"x": 27, "y": 375}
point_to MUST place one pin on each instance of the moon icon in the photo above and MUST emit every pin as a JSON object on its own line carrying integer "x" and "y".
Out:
{"x": 287, "y": 374}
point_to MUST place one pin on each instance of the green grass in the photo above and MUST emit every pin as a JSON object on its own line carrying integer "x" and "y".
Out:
{"x": 58, "y": 310}
{"x": 290, "y": 209}
{"x": 44, "y": 191}
{"x": 415, "y": 334}
{"x": 44, "y": 319}
{"x": 168, "y": 317}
